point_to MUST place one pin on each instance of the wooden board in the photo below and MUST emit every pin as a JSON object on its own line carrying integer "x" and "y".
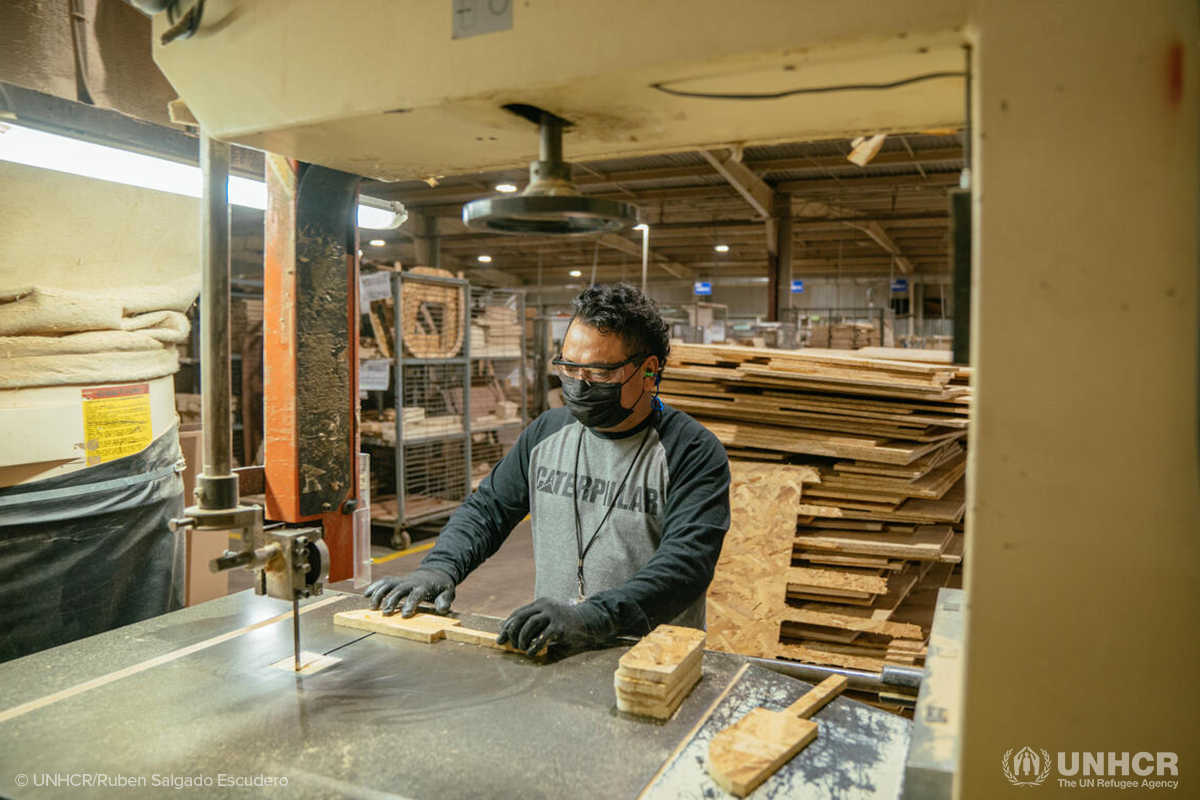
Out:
{"x": 419, "y": 627}
{"x": 657, "y": 690}
{"x": 657, "y": 708}
{"x": 663, "y": 655}
{"x": 480, "y": 639}
{"x": 820, "y": 443}
{"x": 748, "y": 752}
{"x": 748, "y": 593}
{"x": 842, "y": 580}
{"x": 926, "y": 543}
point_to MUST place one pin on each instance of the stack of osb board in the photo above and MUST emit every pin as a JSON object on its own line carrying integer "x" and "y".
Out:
{"x": 848, "y": 498}
{"x": 659, "y": 672}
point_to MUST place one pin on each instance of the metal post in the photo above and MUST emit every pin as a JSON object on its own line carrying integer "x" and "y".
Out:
{"x": 645, "y": 255}
{"x": 217, "y": 486}
{"x": 397, "y": 360}
{"x": 550, "y": 135}
{"x": 520, "y": 297}
{"x": 466, "y": 356}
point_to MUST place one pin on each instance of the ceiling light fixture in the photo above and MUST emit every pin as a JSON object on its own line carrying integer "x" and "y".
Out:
{"x": 722, "y": 248}
{"x": 551, "y": 204}
{"x": 485, "y": 259}
{"x": 377, "y": 243}
{"x": 575, "y": 273}
{"x": 507, "y": 188}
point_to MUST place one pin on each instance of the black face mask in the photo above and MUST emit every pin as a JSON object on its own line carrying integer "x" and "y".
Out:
{"x": 597, "y": 405}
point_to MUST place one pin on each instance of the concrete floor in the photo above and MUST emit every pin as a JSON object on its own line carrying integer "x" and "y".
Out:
{"x": 503, "y": 584}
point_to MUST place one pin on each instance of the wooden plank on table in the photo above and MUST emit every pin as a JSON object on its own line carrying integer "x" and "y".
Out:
{"x": 419, "y": 627}
{"x": 658, "y": 708}
{"x": 663, "y": 654}
{"x": 750, "y": 750}
{"x": 657, "y": 690}
{"x": 480, "y": 639}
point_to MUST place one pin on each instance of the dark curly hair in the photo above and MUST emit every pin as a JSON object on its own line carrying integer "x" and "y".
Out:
{"x": 622, "y": 309}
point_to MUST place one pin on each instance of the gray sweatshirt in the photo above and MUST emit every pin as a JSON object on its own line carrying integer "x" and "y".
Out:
{"x": 652, "y": 506}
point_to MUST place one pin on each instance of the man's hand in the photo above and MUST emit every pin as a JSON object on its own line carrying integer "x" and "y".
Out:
{"x": 544, "y": 622}
{"x": 416, "y": 587}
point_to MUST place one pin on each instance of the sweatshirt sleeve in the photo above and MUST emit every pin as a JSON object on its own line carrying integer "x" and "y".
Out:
{"x": 696, "y": 518}
{"x": 483, "y": 522}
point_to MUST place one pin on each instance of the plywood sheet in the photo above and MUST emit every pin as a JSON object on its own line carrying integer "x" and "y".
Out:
{"x": 748, "y": 594}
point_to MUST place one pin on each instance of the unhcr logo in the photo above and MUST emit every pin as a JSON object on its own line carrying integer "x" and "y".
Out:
{"x": 1031, "y": 767}
{"x": 1027, "y": 768}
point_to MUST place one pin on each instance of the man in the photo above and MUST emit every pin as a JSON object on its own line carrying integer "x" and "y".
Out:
{"x": 629, "y": 498}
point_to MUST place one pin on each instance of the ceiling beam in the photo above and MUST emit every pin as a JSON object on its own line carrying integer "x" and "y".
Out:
{"x": 622, "y": 244}
{"x": 418, "y": 191}
{"x": 881, "y": 237}
{"x": 747, "y": 183}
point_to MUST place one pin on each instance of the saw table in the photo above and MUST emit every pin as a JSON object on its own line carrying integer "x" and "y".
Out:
{"x": 192, "y": 697}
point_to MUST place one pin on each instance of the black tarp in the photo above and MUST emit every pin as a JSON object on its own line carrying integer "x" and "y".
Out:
{"x": 90, "y": 551}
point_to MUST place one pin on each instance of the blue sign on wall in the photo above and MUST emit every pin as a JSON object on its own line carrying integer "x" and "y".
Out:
{"x": 797, "y": 287}
{"x": 900, "y": 285}
{"x": 702, "y": 287}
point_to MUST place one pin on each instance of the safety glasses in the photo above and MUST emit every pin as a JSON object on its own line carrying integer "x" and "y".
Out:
{"x": 595, "y": 373}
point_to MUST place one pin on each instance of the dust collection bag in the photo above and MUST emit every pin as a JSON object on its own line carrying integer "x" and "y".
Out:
{"x": 90, "y": 551}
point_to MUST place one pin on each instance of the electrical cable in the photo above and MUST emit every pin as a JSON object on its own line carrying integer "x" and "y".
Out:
{"x": 79, "y": 20}
{"x": 849, "y": 87}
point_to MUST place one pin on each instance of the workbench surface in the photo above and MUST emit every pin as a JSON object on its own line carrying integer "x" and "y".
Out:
{"x": 192, "y": 695}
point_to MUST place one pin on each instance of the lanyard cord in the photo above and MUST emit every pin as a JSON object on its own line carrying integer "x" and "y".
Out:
{"x": 581, "y": 548}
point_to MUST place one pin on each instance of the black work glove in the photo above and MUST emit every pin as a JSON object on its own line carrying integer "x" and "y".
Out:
{"x": 544, "y": 622}
{"x": 416, "y": 587}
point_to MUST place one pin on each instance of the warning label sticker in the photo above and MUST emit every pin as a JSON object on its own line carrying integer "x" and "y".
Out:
{"x": 116, "y": 421}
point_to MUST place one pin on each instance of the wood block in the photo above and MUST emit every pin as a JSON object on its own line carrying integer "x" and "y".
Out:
{"x": 668, "y": 702}
{"x": 419, "y": 627}
{"x": 661, "y": 653}
{"x": 652, "y": 690}
{"x": 658, "y": 708}
{"x": 750, "y": 750}
{"x": 481, "y": 639}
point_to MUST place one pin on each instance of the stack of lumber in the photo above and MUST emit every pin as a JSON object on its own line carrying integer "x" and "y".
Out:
{"x": 844, "y": 335}
{"x": 657, "y": 673}
{"x": 848, "y": 498}
{"x": 416, "y": 424}
{"x": 496, "y": 333}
